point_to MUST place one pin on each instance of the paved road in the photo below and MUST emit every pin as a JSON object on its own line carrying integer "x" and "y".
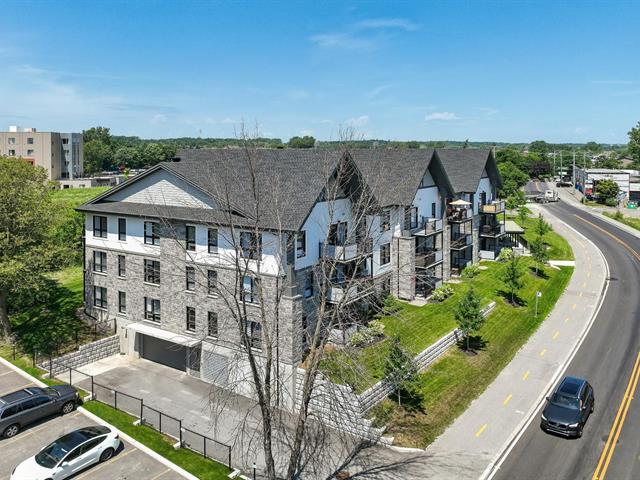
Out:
{"x": 607, "y": 358}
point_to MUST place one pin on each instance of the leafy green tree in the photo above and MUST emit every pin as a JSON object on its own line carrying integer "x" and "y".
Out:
{"x": 609, "y": 162}
{"x": 512, "y": 275}
{"x": 539, "y": 252}
{"x": 523, "y": 215}
{"x": 512, "y": 179}
{"x": 468, "y": 314}
{"x": 97, "y": 156}
{"x": 540, "y": 146}
{"x": 400, "y": 369}
{"x": 542, "y": 227}
{"x": 593, "y": 147}
{"x": 633, "y": 149}
{"x": 606, "y": 189}
{"x": 25, "y": 213}
{"x": 516, "y": 200}
{"x": 100, "y": 134}
{"x": 127, "y": 156}
{"x": 302, "y": 142}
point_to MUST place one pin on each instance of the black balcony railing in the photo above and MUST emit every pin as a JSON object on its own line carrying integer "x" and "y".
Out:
{"x": 492, "y": 230}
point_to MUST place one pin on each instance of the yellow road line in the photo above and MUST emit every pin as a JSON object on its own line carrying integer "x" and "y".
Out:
{"x": 556, "y": 335}
{"x": 616, "y": 428}
{"x": 508, "y": 399}
{"x": 482, "y": 429}
{"x": 621, "y": 242}
{"x": 574, "y": 306}
{"x": 526, "y": 375}
{"x": 7, "y": 373}
{"x": 544, "y": 350}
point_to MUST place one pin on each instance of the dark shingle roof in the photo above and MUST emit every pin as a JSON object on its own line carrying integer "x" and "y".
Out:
{"x": 393, "y": 175}
{"x": 464, "y": 167}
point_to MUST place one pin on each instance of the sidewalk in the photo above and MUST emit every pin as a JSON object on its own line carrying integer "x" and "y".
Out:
{"x": 471, "y": 446}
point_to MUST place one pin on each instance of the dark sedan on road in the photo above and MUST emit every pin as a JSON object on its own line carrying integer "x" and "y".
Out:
{"x": 568, "y": 408}
{"x": 31, "y": 404}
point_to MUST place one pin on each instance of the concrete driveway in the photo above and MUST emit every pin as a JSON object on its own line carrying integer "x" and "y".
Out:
{"x": 128, "y": 463}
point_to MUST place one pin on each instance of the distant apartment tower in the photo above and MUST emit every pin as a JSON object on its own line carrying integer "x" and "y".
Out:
{"x": 60, "y": 154}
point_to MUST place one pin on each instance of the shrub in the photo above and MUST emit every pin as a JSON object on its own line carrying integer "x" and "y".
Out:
{"x": 441, "y": 293}
{"x": 391, "y": 304}
{"x": 618, "y": 216}
{"x": 360, "y": 338}
{"x": 470, "y": 271}
{"x": 611, "y": 202}
{"x": 376, "y": 328}
{"x": 505, "y": 255}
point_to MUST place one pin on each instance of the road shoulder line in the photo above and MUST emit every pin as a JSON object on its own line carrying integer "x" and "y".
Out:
{"x": 515, "y": 436}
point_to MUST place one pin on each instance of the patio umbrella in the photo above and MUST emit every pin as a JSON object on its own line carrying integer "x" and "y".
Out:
{"x": 460, "y": 203}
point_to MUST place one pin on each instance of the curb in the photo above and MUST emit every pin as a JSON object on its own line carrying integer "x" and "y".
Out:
{"x": 91, "y": 416}
{"x": 497, "y": 461}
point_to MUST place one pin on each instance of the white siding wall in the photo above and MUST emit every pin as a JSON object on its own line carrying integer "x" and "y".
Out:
{"x": 162, "y": 188}
{"x": 317, "y": 224}
{"x": 424, "y": 198}
{"x": 483, "y": 186}
{"x": 135, "y": 236}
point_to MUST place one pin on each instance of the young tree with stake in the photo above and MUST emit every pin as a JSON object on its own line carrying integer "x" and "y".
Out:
{"x": 468, "y": 314}
{"x": 512, "y": 276}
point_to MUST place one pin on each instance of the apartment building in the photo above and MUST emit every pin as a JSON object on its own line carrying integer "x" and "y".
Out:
{"x": 60, "y": 154}
{"x": 163, "y": 249}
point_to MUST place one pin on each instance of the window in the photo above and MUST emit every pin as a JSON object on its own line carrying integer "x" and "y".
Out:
{"x": 212, "y": 282}
{"x": 65, "y": 141}
{"x": 385, "y": 220}
{"x": 250, "y": 289}
{"x": 99, "y": 297}
{"x": 122, "y": 302}
{"x": 212, "y": 240}
{"x": 305, "y": 333}
{"x": 12, "y": 153}
{"x": 212, "y": 324}
{"x": 251, "y": 245}
{"x": 152, "y": 271}
{"x": 190, "y": 279}
{"x": 191, "y": 238}
{"x": 9, "y": 411}
{"x": 29, "y": 140}
{"x": 253, "y": 331}
{"x": 410, "y": 218}
{"x": 91, "y": 444}
{"x": 122, "y": 229}
{"x": 385, "y": 253}
{"x": 308, "y": 284}
{"x": 338, "y": 233}
{"x": 12, "y": 140}
{"x": 29, "y": 152}
{"x": 122, "y": 266}
{"x": 301, "y": 244}
{"x": 99, "y": 226}
{"x": 100, "y": 262}
{"x": 433, "y": 210}
{"x": 151, "y": 233}
{"x": 191, "y": 319}
{"x": 152, "y": 309}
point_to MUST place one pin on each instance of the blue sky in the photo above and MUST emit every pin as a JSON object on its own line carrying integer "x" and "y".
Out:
{"x": 500, "y": 71}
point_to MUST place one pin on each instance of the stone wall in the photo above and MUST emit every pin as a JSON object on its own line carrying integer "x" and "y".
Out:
{"x": 86, "y": 354}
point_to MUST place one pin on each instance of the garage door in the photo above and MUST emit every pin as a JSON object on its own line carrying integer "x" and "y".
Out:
{"x": 167, "y": 353}
{"x": 215, "y": 368}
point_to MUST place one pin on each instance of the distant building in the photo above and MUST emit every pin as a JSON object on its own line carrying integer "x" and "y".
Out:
{"x": 627, "y": 180}
{"x": 60, "y": 154}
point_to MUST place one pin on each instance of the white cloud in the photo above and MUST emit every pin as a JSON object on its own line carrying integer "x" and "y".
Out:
{"x": 360, "y": 121}
{"x": 489, "y": 112}
{"x": 441, "y": 116}
{"x": 159, "y": 118}
{"x": 378, "y": 90}
{"x": 325, "y": 121}
{"x": 304, "y": 133}
{"x": 229, "y": 120}
{"x": 376, "y": 23}
{"x": 341, "y": 40}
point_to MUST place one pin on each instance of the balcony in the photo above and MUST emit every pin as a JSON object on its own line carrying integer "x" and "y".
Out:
{"x": 488, "y": 254}
{"x": 497, "y": 206}
{"x": 346, "y": 252}
{"x": 492, "y": 230}
{"x": 461, "y": 240}
{"x": 460, "y": 264}
{"x": 350, "y": 292}
{"x": 458, "y": 215}
{"x": 428, "y": 226}
{"x": 427, "y": 259}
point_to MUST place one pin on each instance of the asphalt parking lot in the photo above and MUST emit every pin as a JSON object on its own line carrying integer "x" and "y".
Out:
{"x": 128, "y": 463}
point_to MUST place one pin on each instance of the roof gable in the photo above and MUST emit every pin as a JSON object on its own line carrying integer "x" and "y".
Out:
{"x": 464, "y": 167}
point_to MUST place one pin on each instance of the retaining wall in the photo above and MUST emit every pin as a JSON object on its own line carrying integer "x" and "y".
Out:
{"x": 86, "y": 354}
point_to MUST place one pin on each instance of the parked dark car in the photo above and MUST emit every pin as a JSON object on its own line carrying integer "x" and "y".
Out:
{"x": 31, "y": 404}
{"x": 568, "y": 408}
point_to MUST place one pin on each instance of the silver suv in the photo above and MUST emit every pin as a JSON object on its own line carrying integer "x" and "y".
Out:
{"x": 31, "y": 404}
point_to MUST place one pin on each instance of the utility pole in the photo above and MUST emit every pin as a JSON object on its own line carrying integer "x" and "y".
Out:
{"x": 573, "y": 174}
{"x": 561, "y": 169}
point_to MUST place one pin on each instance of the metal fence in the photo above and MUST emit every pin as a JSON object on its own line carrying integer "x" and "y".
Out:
{"x": 158, "y": 420}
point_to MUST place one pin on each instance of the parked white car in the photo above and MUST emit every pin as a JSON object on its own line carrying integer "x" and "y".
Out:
{"x": 69, "y": 454}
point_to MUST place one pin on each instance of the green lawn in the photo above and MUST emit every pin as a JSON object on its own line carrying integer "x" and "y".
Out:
{"x": 192, "y": 462}
{"x": 72, "y": 197}
{"x": 559, "y": 248}
{"x": 449, "y": 386}
{"x": 630, "y": 221}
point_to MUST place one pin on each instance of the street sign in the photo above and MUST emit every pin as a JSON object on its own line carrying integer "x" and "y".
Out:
{"x": 538, "y": 294}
